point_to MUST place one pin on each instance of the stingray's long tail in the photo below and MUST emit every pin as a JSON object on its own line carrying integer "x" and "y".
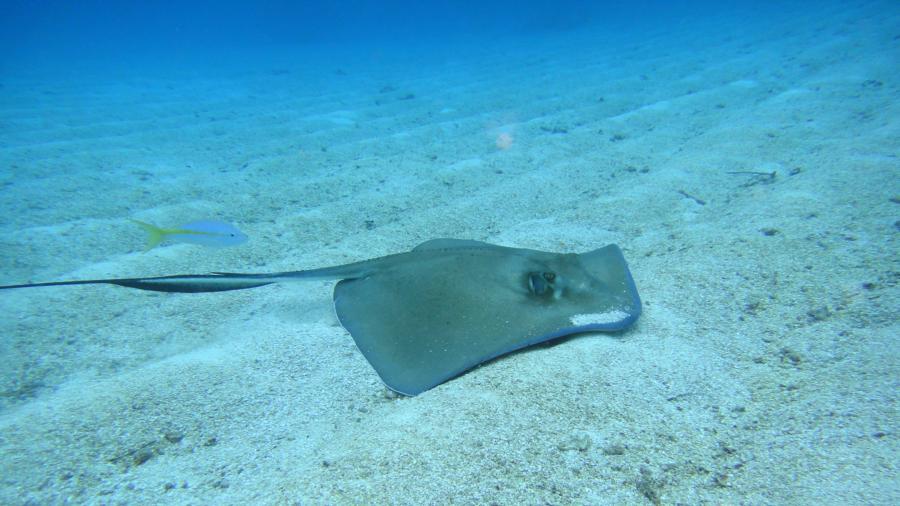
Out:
{"x": 216, "y": 281}
{"x": 185, "y": 283}
{"x": 221, "y": 281}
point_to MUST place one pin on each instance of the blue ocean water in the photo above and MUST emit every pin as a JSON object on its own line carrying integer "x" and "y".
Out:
{"x": 743, "y": 155}
{"x": 147, "y": 34}
{"x": 33, "y": 27}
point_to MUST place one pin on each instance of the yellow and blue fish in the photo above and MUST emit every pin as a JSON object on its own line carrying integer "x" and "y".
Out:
{"x": 217, "y": 234}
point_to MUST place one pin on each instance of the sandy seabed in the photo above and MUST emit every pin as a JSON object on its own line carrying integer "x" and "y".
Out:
{"x": 751, "y": 178}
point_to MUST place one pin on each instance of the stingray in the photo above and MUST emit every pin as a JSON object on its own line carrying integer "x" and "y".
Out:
{"x": 428, "y": 315}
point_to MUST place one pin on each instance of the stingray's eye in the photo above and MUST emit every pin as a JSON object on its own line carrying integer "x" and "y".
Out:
{"x": 541, "y": 283}
{"x": 536, "y": 283}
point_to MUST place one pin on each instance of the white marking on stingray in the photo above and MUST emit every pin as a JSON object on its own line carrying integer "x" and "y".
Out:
{"x": 588, "y": 318}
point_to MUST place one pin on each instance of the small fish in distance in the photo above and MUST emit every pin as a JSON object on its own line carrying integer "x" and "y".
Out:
{"x": 217, "y": 234}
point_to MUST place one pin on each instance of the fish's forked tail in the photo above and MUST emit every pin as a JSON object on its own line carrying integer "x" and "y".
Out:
{"x": 155, "y": 235}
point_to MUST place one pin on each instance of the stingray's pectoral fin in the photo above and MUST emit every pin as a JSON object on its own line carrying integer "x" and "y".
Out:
{"x": 452, "y": 305}
{"x": 182, "y": 283}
